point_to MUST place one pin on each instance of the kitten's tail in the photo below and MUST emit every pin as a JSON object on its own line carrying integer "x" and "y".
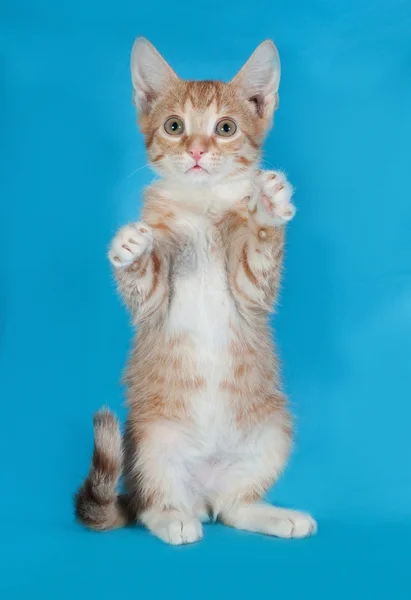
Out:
{"x": 97, "y": 503}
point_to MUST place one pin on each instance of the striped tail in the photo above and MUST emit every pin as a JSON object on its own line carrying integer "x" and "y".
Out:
{"x": 97, "y": 503}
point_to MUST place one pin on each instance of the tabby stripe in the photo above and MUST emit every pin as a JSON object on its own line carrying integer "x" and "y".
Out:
{"x": 150, "y": 138}
{"x": 240, "y": 292}
{"x": 251, "y": 141}
{"x": 140, "y": 266}
{"x": 156, "y": 271}
{"x": 104, "y": 465}
{"x": 246, "y": 267}
{"x": 244, "y": 161}
{"x": 162, "y": 227}
{"x": 278, "y": 255}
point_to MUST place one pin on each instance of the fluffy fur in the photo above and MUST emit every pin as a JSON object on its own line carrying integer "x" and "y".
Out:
{"x": 208, "y": 430}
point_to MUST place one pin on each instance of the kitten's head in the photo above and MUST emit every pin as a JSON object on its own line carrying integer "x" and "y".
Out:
{"x": 204, "y": 131}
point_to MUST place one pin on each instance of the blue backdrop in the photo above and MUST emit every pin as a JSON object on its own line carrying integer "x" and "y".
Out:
{"x": 73, "y": 166}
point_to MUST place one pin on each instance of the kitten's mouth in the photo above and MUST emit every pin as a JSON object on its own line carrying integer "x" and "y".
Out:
{"x": 197, "y": 169}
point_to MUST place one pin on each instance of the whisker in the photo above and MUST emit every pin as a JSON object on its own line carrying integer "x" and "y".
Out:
{"x": 155, "y": 178}
{"x": 268, "y": 164}
{"x": 134, "y": 172}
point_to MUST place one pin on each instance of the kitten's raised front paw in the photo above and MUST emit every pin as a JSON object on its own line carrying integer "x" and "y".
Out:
{"x": 130, "y": 243}
{"x": 271, "y": 201}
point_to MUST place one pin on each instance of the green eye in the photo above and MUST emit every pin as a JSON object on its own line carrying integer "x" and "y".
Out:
{"x": 226, "y": 127}
{"x": 174, "y": 126}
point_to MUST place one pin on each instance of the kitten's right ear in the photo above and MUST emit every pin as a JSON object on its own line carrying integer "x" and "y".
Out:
{"x": 150, "y": 73}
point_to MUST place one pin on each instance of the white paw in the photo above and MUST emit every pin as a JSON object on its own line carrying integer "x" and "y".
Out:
{"x": 178, "y": 531}
{"x": 271, "y": 200}
{"x": 291, "y": 524}
{"x": 131, "y": 242}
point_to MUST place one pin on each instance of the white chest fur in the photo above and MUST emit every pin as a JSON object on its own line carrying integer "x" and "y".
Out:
{"x": 201, "y": 303}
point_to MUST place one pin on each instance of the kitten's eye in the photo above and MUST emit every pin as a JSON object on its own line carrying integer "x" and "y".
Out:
{"x": 174, "y": 126}
{"x": 226, "y": 127}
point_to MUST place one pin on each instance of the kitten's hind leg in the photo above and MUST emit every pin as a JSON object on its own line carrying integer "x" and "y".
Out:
{"x": 159, "y": 477}
{"x": 237, "y": 501}
{"x": 270, "y": 520}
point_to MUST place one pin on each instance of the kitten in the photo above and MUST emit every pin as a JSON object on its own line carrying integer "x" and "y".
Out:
{"x": 208, "y": 430}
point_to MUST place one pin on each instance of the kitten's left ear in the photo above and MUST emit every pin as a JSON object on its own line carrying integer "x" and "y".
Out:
{"x": 259, "y": 79}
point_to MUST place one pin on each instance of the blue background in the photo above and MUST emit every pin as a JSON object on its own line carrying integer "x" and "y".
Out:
{"x": 73, "y": 166}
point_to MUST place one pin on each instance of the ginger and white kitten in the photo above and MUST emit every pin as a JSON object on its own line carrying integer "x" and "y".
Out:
{"x": 208, "y": 430}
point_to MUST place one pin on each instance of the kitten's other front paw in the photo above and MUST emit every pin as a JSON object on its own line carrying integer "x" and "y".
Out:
{"x": 271, "y": 201}
{"x": 130, "y": 243}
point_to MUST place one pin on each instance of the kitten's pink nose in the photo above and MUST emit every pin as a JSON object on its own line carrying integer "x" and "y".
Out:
{"x": 197, "y": 153}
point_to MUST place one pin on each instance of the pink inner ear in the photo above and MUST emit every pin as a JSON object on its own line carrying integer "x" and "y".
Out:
{"x": 258, "y": 102}
{"x": 146, "y": 101}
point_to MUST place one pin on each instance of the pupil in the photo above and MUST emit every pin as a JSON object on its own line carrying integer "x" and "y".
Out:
{"x": 226, "y": 127}
{"x": 174, "y": 126}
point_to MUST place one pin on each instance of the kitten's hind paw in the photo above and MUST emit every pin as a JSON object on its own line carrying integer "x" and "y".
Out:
{"x": 174, "y": 527}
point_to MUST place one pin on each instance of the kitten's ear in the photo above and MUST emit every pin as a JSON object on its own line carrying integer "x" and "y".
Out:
{"x": 259, "y": 78}
{"x": 150, "y": 73}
